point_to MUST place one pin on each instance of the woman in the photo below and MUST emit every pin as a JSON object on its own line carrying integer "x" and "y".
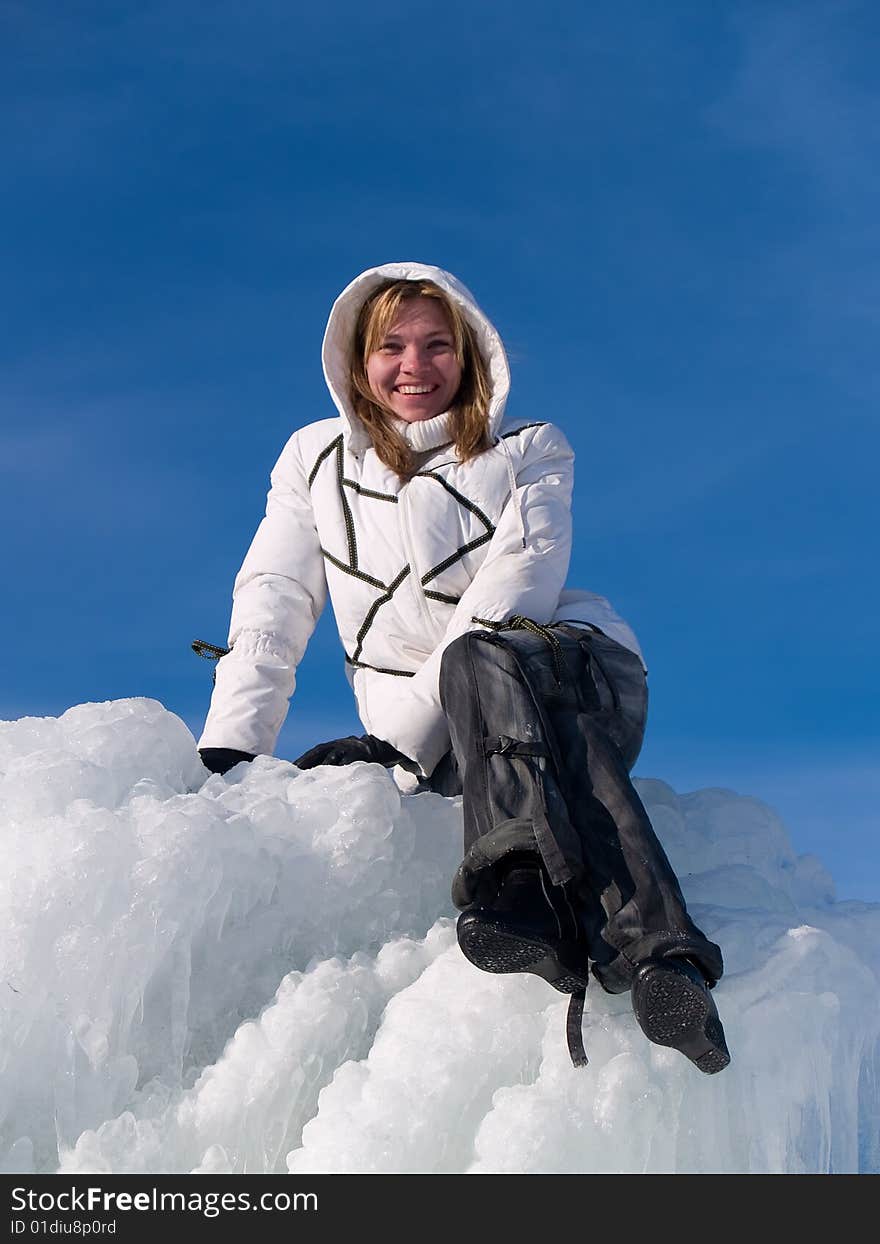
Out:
{"x": 442, "y": 531}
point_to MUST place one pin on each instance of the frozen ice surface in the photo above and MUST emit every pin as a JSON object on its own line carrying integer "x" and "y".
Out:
{"x": 259, "y": 972}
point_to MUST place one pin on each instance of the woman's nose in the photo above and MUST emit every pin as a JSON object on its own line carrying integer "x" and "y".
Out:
{"x": 414, "y": 358}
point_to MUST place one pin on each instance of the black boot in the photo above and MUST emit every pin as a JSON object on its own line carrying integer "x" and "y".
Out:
{"x": 529, "y": 925}
{"x": 673, "y": 1005}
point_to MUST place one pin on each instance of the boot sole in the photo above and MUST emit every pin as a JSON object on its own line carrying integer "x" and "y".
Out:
{"x": 494, "y": 946}
{"x": 675, "y": 1011}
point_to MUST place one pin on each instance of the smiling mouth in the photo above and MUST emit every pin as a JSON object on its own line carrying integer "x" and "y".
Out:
{"x": 415, "y": 390}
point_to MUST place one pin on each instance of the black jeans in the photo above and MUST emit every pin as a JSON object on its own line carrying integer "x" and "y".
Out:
{"x": 545, "y": 726}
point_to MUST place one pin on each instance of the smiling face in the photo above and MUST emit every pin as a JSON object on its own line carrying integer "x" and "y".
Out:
{"x": 414, "y": 370}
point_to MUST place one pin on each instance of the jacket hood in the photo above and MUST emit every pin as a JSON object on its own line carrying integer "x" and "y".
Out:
{"x": 339, "y": 336}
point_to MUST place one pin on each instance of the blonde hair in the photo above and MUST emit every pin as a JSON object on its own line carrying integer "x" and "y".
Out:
{"x": 470, "y": 408}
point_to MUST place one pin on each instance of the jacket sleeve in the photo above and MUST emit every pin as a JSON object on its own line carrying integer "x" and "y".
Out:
{"x": 524, "y": 571}
{"x": 278, "y": 596}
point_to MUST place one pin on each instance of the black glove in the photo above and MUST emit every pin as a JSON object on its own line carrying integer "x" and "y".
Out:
{"x": 346, "y": 751}
{"x": 222, "y": 759}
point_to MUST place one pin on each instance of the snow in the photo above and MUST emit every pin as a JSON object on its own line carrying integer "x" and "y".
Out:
{"x": 259, "y": 973}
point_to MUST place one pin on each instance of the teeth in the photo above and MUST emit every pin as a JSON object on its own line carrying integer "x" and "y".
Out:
{"x": 415, "y": 388}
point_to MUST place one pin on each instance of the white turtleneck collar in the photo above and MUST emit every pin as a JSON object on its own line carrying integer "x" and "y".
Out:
{"x": 426, "y": 434}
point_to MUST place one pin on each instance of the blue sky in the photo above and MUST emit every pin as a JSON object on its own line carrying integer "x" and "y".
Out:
{"x": 669, "y": 211}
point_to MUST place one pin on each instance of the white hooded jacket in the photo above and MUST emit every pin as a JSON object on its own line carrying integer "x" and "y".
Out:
{"x": 410, "y": 565}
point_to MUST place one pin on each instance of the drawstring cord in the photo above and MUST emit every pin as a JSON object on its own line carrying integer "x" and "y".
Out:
{"x": 211, "y": 652}
{"x": 516, "y": 622}
{"x": 514, "y": 494}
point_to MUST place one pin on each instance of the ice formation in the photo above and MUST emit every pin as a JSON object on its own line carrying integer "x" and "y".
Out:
{"x": 259, "y": 973}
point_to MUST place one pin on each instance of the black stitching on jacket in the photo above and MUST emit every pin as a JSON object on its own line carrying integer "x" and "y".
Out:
{"x": 346, "y": 511}
{"x": 374, "y": 609}
{"x": 447, "y": 600}
{"x": 325, "y": 453}
{"x": 525, "y": 427}
{"x": 460, "y": 498}
{"x": 456, "y": 556}
{"x": 369, "y": 492}
{"x": 357, "y": 574}
{"x": 362, "y": 665}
